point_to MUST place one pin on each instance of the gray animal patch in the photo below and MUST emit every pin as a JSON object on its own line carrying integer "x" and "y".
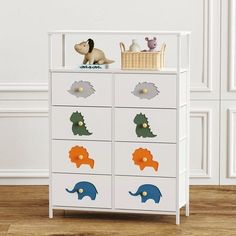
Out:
{"x": 81, "y": 89}
{"x": 145, "y": 90}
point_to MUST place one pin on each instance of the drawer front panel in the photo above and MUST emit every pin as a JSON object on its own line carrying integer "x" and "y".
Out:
{"x": 145, "y": 159}
{"x": 81, "y": 157}
{"x": 81, "y": 190}
{"x": 81, "y": 123}
{"x": 145, "y": 125}
{"x": 140, "y": 193}
{"x": 134, "y": 90}
{"x": 84, "y": 89}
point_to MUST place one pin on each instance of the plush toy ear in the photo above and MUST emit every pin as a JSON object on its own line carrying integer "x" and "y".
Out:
{"x": 91, "y": 45}
{"x": 155, "y": 38}
{"x": 146, "y": 39}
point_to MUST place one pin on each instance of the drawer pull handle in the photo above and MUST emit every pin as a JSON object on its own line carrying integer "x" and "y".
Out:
{"x": 78, "y": 126}
{"x": 80, "y": 123}
{"x": 145, "y": 90}
{"x": 80, "y": 190}
{"x": 82, "y": 89}
{"x": 145, "y": 125}
{"x": 142, "y": 126}
{"x": 144, "y": 193}
{"x": 84, "y": 189}
{"x": 143, "y": 158}
{"x": 148, "y": 191}
{"x": 80, "y": 156}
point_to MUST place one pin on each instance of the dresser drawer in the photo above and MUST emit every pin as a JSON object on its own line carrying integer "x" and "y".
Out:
{"x": 81, "y": 123}
{"x": 81, "y": 190}
{"x": 140, "y": 193}
{"x": 81, "y": 157}
{"x": 84, "y": 89}
{"x": 145, "y": 125}
{"x": 147, "y": 159}
{"x": 145, "y": 90}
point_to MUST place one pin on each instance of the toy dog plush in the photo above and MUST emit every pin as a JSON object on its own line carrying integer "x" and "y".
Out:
{"x": 91, "y": 54}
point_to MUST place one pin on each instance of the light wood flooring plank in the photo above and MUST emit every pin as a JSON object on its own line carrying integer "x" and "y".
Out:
{"x": 24, "y": 211}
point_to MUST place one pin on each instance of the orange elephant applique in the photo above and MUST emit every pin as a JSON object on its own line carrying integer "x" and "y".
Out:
{"x": 143, "y": 158}
{"x": 80, "y": 156}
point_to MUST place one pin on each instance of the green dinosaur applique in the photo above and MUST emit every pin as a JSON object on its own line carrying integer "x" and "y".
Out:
{"x": 142, "y": 126}
{"x": 78, "y": 126}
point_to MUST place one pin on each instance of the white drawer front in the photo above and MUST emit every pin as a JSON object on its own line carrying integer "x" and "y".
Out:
{"x": 81, "y": 157}
{"x": 93, "y": 191}
{"x": 161, "y": 125}
{"x": 96, "y": 120}
{"x": 134, "y": 90}
{"x": 157, "y": 194}
{"x": 145, "y": 159}
{"x": 84, "y": 89}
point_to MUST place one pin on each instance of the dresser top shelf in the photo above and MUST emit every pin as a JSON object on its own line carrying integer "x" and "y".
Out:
{"x": 111, "y": 71}
{"x": 181, "y": 33}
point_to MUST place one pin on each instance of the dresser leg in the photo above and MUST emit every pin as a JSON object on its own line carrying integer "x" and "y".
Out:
{"x": 177, "y": 218}
{"x": 187, "y": 209}
{"x": 50, "y": 213}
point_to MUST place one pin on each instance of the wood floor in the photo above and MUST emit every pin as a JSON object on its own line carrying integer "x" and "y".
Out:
{"x": 24, "y": 211}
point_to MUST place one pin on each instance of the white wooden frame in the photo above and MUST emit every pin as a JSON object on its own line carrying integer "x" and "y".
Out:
{"x": 176, "y": 72}
{"x": 207, "y": 49}
{"x": 206, "y": 171}
{"x": 231, "y": 51}
{"x": 228, "y": 50}
{"x": 231, "y": 138}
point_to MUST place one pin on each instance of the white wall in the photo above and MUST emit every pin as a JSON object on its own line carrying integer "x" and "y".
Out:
{"x": 23, "y": 78}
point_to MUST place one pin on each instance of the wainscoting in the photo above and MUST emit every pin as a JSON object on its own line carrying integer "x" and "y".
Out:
{"x": 24, "y": 134}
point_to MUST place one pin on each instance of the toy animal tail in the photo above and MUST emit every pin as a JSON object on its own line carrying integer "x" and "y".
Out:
{"x": 107, "y": 61}
{"x": 151, "y": 135}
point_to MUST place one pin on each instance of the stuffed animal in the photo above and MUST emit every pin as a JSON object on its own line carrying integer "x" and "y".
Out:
{"x": 91, "y": 54}
{"x": 152, "y": 43}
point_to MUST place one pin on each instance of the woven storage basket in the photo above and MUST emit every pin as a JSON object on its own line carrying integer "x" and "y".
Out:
{"x": 142, "y": 60}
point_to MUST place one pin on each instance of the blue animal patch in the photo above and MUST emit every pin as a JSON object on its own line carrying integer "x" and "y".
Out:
{"x": 148, "y": 191}
{"x": 84, "y": 189}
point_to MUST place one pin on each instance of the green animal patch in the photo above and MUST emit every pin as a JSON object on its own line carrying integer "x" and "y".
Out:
{"x": 79, "y": 126}
{"x": 142, "y": 126}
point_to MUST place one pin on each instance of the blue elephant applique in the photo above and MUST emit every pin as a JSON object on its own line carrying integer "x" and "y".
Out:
{"x": 84, "y": 189}
{"x": 148, "y": 191}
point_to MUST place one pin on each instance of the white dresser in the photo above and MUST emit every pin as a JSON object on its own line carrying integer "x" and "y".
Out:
{"x": 119, "y": 139}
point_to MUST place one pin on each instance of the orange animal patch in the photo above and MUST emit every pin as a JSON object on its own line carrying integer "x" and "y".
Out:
{"x": 80, "y": 156}
{"x": 143, "y": 158}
